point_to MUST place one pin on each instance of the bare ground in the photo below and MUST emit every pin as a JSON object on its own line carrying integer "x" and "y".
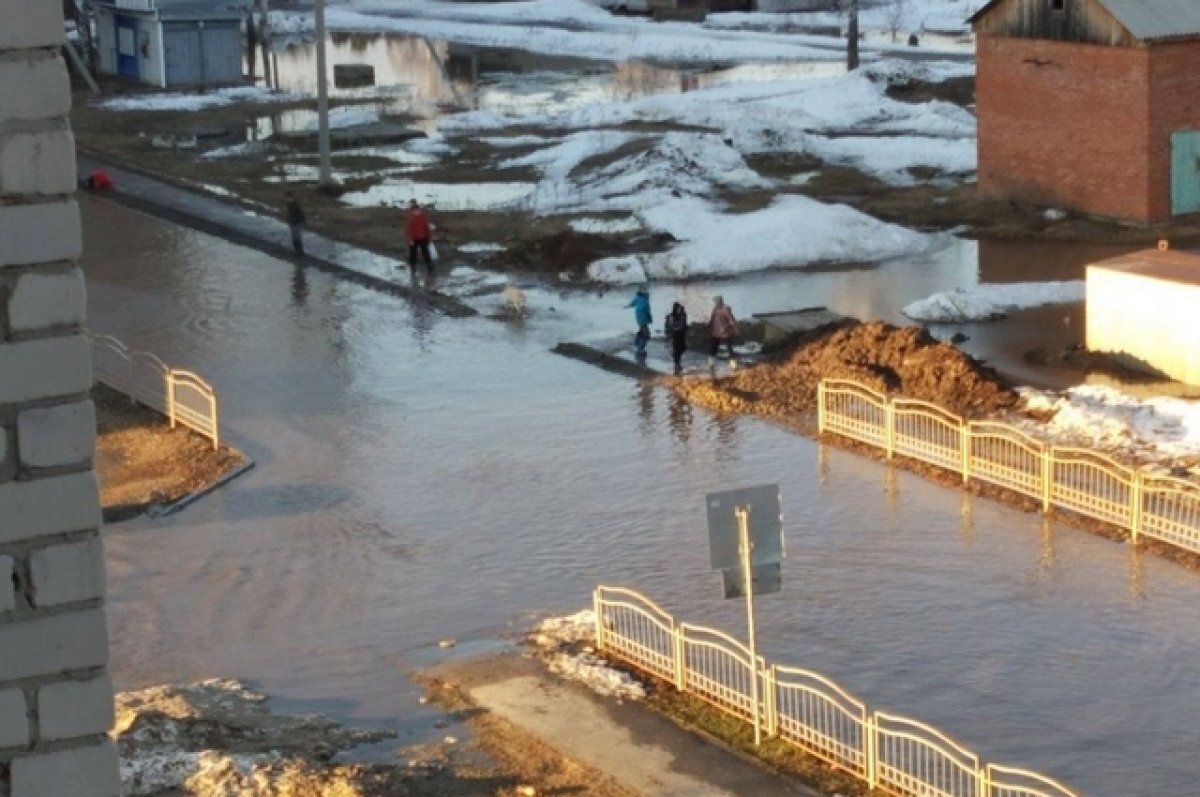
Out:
{"x": 142, "y": 463}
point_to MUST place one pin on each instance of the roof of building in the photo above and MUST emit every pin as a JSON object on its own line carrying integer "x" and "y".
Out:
{"x": 1170, "y": 265}
{"x": 1146, "y": 20}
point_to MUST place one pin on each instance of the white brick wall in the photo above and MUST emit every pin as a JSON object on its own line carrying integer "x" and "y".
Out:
{"x": 53, "y": 644}
{"x": 26, "y": 373}
{"x": 37, "y": 163}
{"x": 49, "y": 506}
{"x": 82, "y": 772}
{"x": 14, "y": 719}
{"x": 52, "y": 436}
{"x": 34, "y": 88}
{"x": 41, "y": 24}
{"x": 67, "y": 573}
{"x": 59, "y": 749}
{"x": 45, "y": 300}
{"x": 76, "y": 708}
{"x": 8, "y": 598}
{"x": 39, "y": 233}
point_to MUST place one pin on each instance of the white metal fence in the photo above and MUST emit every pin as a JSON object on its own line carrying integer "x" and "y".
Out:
{"x": 894, "y": 754}
{"x": 182, "y": 396}
{"x": 1074, "y": 479}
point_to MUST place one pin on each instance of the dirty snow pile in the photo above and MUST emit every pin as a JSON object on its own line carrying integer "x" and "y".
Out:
{"x": 173, "y": 101}
{"x": 558, "y": 637}
{"x": 1161, "y": 429}
{"x": 218, "y": 738}
{"x": 992, "y": 301}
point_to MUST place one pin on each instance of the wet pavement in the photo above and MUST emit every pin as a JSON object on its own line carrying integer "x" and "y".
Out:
{"x": 422, "y": 477}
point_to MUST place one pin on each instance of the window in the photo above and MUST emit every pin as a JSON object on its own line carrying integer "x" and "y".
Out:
{"x": 1058, "y": 5}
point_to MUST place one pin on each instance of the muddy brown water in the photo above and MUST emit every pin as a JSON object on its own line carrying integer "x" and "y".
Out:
{"x": 421, "y": 478}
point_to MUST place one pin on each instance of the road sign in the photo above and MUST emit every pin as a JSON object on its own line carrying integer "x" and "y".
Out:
{"x": 765, "y": 578}
{"x": 765, "y": 529}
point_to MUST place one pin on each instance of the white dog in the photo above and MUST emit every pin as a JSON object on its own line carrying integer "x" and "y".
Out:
{"x": 514, "y": 300}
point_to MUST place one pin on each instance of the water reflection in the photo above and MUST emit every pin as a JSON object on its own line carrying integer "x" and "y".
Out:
{"x": 414, "y": 75}
{"x": 681, "y": 417}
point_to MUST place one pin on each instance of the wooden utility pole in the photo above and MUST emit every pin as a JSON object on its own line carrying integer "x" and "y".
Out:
{"x": 852, "y": 38}
{"x": 326, "y": 168}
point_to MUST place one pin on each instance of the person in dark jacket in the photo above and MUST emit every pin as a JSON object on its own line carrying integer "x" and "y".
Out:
{"x": 419, "y": 232}
{"x": 296, "y": 221}
{"x": 641, "y": 315}
{"x": 676, "y": 329}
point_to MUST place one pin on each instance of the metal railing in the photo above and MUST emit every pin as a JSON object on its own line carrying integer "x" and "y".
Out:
{"x": 1073, "y": 479}
{"x": 893, "y": 754}
{"x": 182, "y": 396}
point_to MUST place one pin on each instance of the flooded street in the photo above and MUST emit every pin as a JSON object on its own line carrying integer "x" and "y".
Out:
{"x": 421, "y": 478}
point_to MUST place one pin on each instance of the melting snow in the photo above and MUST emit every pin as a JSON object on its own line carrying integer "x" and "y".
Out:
{"x": 987, "y": 302}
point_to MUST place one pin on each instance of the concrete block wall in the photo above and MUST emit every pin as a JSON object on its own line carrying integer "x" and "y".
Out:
{"x": 55, "y": 694}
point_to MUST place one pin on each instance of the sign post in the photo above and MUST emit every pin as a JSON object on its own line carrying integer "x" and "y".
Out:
{"x": 745, "y": 533}
{"x": 743, "y": 518}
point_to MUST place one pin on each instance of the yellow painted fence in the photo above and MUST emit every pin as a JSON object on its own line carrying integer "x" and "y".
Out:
{"x": 894, "y": 754}
{"x": 182, "y": 396}
{"x": 1073, "y": 479}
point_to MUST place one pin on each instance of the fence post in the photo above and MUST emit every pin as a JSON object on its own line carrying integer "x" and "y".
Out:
{"x": 871, "y": 743}
{"x": 821, "y": 407}
{"x": 768, "y": 675}
{"x": 216, "y": 424}
{"x": 889, "y": 422}
{"x": 1135, "y": 510}
{"x": 1047, "y": 476}
{"x": 964, "y": 441}
{"x": 171, "y": 397}
{"x": 598, "y": 610}
{"x": 984, "y": 787}
{"x": 680, "y": 658}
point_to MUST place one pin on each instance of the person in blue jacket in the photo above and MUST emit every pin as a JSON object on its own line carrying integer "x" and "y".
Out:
{"x": 641, "y": 314}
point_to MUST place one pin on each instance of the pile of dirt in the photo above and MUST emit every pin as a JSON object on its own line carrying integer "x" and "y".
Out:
{"x": 906, "y": 361}
{"x": 557, "y": 252}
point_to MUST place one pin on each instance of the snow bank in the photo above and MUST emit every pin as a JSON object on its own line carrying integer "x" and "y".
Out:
{"x": 988, "y": 302}
{"x": 557, "y": 161}
{"x": 1157, "y": 429}
{"x": 892, "y": 159}
{"x": 170, "y": 101}
{"x": 558, "y": 636}
{"x": 792, "y": 232}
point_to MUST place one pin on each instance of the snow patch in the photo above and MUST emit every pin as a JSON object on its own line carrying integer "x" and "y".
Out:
{"x": 589, "y": 224}
{"x": 170, "y": 101}
{"x": 1156, "y": 429}
{"x": 480, "y": 248}
{"x": 992, "y": 301}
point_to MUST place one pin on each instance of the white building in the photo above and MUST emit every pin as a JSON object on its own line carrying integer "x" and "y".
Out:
{"x": 171, "y": 43}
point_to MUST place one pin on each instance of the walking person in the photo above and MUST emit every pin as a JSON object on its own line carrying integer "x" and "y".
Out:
{"x": 722, "y": 326}
{"x": 676, "y": 329}
{"x": 641, "y": 315}
{"x": 419, "y": 232}
{"x": 296, "y": 221}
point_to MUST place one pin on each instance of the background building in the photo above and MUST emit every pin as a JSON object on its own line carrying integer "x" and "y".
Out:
{"x": 1092, "y": 105}
{"x": 171, "y": 42}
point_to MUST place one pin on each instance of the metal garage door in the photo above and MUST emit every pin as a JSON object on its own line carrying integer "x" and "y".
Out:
{"x": 222, "y": 60}
{"x": 181, "y": 47}
{"x": 202, "y": 53}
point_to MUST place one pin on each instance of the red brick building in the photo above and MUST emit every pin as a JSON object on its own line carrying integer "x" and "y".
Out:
{"x": 1092, "y": 105}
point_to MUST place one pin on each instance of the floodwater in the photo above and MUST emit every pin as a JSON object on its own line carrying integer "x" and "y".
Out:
{"x": 420, "y": 478}
{"x": 419, "y": 76}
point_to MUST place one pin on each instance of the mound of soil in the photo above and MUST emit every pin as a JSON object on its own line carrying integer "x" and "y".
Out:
{"x": 902, "y": 360}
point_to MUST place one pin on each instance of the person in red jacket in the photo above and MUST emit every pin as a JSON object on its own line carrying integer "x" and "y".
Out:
{"x": 420, "y": 236}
